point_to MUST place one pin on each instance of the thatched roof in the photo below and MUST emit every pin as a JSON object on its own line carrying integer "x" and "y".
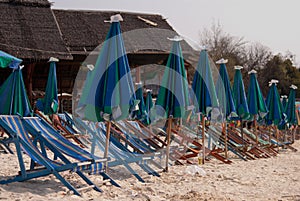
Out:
{"x": 29, "y": 30}
{"x": 83, "y": 31}
{"x": 38, "y": 3}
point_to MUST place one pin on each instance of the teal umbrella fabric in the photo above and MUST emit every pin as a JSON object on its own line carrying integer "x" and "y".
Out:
{"x": 14, "y": 100}
{"x": 172, "y": 99}
{"x": 256, "y": 102}
{"x": 239, "y": 95}
{"x": 224, "y": 92}
{"x": 204, "y": 97}
{"x": 140, "y": 114}
{"x": 49, "y": 104}
{"x": 109, "y": 91}
{"x": 276, "y": 114}
{"x": 290, "y": 109}
{"x": 284, "y": 101}
{"x": 149, "y": 106}
{"x": 7, "y": 60}
{"x": 149, "y": 101}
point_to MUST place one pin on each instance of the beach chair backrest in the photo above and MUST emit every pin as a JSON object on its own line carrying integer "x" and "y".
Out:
{"x": 15, "y": 125}
{"x": 138, "y": 143}
{"x": 58, "y": 141}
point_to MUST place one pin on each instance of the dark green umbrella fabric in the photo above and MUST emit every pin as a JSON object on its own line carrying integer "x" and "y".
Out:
{"x": 140, "y": 114}
{"x": 49, "y": 104}
{"x": 204, "y": 97}
{"x": 7, "y": 60}
{"x": 290, "y": 109}
{"x": 284, "y": 101}
{"x": 149, "y": 100}
{"x": 109, "y": 90}
{"x": 224, "y": 92}
{"x": 172, "y": 98}
{"x": 239, "y": 95}
{"x": 256, "y": 102}
{"x": 276, "y": 113}
{"x": 149, "y": 106}
{"x": 13, "y": 95}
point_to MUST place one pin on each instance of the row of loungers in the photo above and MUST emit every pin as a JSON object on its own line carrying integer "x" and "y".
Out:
{"x": 130, "y": 143}
{"x": 36, "y": 138}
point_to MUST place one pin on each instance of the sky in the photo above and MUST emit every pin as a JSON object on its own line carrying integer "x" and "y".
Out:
{"x": 273, "y": 23}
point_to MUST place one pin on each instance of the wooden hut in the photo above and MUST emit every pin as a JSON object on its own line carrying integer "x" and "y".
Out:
{"x": 32, "y": 31}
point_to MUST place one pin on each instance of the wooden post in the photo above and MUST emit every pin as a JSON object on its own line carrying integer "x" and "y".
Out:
{"x": 255, "y": 130}
{"x": 107, "y": 144}
{"x": 28, "y": 82}
{"x": 203, "y": 138}
{"x": 242, "y": 132}
{"x": 269, "y": 134}
{"x": 277, "y": 138}
{"x": 137, "y": 75}
{"x": 168, "y": 142}
{"x": 225, "y": 134}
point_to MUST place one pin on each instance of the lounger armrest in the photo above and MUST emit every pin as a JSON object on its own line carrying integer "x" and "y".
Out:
{"x": 101, "y": 160}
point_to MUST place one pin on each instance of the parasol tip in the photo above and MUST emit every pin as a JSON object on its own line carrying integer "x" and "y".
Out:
{"x": 273, "y": 81}
{"x": 53, "y": 59}
{"x": 203, "y": 47}
{"x": 139, "y": 83}
{"x": 284, "y": 96}
{"x": 90, "y": 67}
{"x": 115, "y": 18}
{"x": 252, "y": 71}
{"x": 222, "y": 61}
{"x": 176, "y": 38}
{"x": 238, "y": 67}
{"x": 148, "y": 90}
{"x": 293, "y": 87}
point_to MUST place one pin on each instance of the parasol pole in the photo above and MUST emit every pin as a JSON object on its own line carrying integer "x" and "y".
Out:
{"x": 203, "y": 138}
{"x": 269, "y": 134}
{"x": 224, "y": 125}
{"x": 255, "y": 130}
{"x": 168, "y": 142}
{"x": 242, "y": 131}
{"x": 277, "y": 138}
{"x": 107, "y": 144}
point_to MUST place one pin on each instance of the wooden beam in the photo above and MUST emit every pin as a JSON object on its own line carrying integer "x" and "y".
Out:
{"x": 28, "y": 84}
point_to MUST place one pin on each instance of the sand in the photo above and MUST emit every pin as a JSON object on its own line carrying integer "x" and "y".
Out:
{"x": 276, "y": 178}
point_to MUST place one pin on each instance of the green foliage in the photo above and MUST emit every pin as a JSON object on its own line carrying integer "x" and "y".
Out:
{"x": 280, "y": 69}
{"x": 252, "y": 56}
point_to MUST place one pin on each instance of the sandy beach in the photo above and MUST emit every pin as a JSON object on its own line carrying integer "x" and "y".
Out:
{"x": 276, "y": 178}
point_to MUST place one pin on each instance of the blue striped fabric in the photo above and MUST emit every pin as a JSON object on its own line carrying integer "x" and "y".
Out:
{"x": 15, "y": 124}
{"x": 58, "y": 141}
{"x": 94, "y": 168}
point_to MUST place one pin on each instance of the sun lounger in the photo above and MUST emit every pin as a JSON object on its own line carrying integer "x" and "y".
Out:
{"x": 28, "y": 143}
{"x": 116, "y": 150}
{"x": 64, "y": 131}
{"x": 232, "y": 146}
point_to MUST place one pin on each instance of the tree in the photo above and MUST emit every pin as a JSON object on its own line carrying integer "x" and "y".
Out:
{"x": 281, "y": 69}
{"x": 238, "y": 51}
{"x": 258, "y": 56}
{"x": 252, "y": 56}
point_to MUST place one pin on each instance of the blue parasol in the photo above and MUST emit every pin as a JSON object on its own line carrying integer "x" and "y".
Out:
{"x": 13, "y": 95}
{"x": 172, "y": 100}
{"x": 49, "y": 104}
{"x": 7, "y": 60}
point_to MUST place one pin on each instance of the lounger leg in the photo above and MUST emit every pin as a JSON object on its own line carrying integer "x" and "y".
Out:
{"x": 6, "y": 146}
{"x": 66, "y": 183}
{"x": 88, "y": 181}
{"x": 105, "y": 176}
{"x": 134, "y": 173}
